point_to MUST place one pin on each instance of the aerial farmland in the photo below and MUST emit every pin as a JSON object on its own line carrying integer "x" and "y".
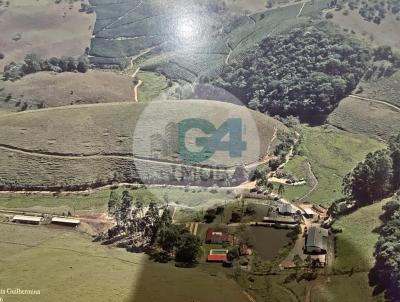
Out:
{"x": 184, "y": 150}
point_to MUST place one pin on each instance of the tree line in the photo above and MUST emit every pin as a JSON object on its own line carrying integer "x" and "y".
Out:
{"x": 149, "y": 228}
{"x": 304, "y": 73}
{"x": 33, "y": 63}
{"x": 376, "y": 177}
{"x": 386, "y": 272}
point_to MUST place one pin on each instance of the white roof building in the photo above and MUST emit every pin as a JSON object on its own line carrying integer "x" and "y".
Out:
{"x": 309, "y": 212}
{"x": 62, "y": 220}
{"x": 27, "y": 219}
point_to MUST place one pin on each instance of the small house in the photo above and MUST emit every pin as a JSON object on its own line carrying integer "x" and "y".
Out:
{"x": 217, "y": 236}
{"x": 27, "y": 219}
{"x": 317, "y": 241}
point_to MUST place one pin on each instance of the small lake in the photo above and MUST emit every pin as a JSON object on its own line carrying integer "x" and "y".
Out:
{"x": 268, "y": 241}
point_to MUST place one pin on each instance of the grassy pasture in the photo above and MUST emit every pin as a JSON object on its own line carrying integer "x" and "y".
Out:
{"x": 68, "y": 88}
{"x": 332, "y": 154}
{"x": 46, "y": 28}
{"x": 355, "y": 246}
{"x": 57, "y": 260}
{"x": 152, "y": 87}
{"x": 97, "y": 200}
{"x": 353, "y": 288}
{"x": 374, "y": 34}
{"x": 372, "y": 119}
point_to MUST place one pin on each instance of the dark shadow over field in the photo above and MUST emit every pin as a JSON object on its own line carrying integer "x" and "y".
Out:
{"x": 165, "y": 282}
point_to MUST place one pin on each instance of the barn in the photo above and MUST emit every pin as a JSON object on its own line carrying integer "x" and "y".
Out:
{"x": 317, "y": 241}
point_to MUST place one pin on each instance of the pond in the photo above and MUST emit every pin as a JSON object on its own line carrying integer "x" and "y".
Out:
{"x": 268, "y": 241}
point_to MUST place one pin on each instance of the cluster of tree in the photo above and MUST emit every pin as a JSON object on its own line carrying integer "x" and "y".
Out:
{"x": 386, "y": 272}
{"x": 138, "y": 229}
{"x": 176, "y": 241}
{"x": 372, "y": 11}
{"x": 385, "y": 63}
{"x": 212, "y": 213}
{"x": 33, "y": 63}
{"x": 376, "y": 177}
{"x": 303, "y": 73}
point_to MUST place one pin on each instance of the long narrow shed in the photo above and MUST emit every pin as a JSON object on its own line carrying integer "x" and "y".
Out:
{"x": 27, "y": 219}
{"x": 65, "y": 221}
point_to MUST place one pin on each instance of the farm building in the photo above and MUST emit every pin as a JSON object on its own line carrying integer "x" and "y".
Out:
{"x": 217, "y": 236}
{"x": 217, "y": 255}
{"x": 217, "y": 258}
{"x": 317, "y": 241}
{"x": 286, "y": 209}
{"x": 280, "y": 219}
{"x": 27, "y": 219}
{"x": 309, "y": 213}
{"x": 65, "y": 221}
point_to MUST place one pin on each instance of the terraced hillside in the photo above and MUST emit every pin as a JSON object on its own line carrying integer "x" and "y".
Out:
{"x": 91, "y": 145}
{"x": 185, "y": 39}
{"x": 362, "y": 115}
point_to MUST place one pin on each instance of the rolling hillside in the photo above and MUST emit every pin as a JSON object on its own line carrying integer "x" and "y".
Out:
{"x": 92, "y": 145}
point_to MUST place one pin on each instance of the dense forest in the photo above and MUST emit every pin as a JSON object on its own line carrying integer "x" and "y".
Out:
{"x": 304, "y": 73}
{"x": 386, "y": 273}
{"x": 376, "y": 177}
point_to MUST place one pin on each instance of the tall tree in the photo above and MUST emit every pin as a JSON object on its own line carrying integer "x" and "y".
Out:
{"x": 394, "y": 147}
{"x": 370, "y": 180}
{"x": 189, "y": 249}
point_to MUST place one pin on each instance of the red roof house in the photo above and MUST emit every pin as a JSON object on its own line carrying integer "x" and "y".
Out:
{"x": 216, "y": 236}
{"x": 217, "y": 258}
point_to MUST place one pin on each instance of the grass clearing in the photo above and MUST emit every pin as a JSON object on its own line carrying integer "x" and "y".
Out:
{"x": 353, "y": 288}
{"x": 97, "y": 200}
{"x": 355, "y": 246}
{"x": 152, "y": 85}
{"x": 55, "y": 260}
{"x": 332, "y": 154}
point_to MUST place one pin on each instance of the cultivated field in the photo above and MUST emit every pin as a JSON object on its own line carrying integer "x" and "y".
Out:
{"x": 384, "y": 89}
{"x": 370, "y": 118}
{"x": 45, "y": 28}
{"x": 332, "y": 154}
{"x": 66, "y": 265}
{"x": 67, "y": 146}
{"x": 187, "y": 50}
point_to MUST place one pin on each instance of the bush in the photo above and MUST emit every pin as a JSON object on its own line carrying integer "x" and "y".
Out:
{"x": 329, "y": 15}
